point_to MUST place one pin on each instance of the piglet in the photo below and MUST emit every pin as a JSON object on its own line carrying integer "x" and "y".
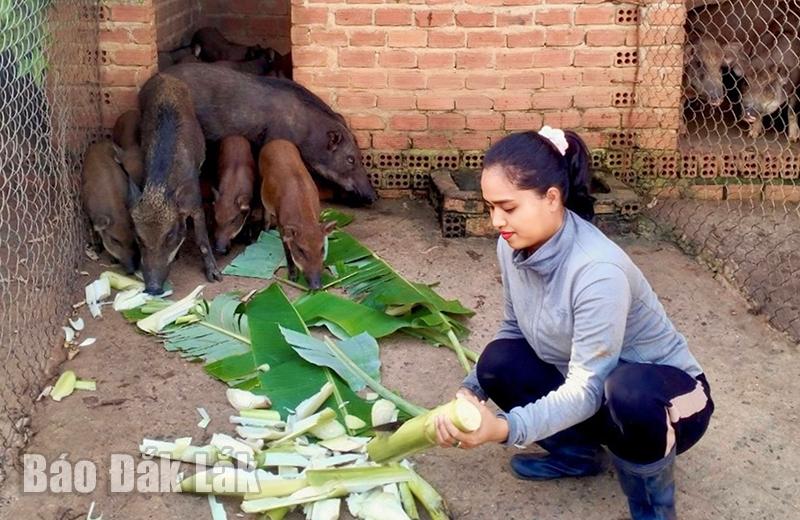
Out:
{"x": 126, "y": 137}
{"x": 290, "y": 196}
{"x": 236, "y": 173}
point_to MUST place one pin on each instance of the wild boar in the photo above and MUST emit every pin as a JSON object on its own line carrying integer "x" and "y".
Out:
{"x": 263, "y": 109}
{"x": 209, "y": 44}
{"x": 290, "y": 196}
{"x": 236, "y": 174}
{"x": 174, "y": 149}
{"x": 126, "y": 137}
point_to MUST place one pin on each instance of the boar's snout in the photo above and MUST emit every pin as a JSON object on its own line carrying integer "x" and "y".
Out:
{"x": 222, "y": 247}
{"x": 314, "y": 280}
{"x": 751, "y": 115}
{"x": 365, "y": 191}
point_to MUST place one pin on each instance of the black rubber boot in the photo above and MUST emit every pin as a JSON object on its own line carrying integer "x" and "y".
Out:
{"x": 569, "y": 455}
{"x": 650, "y": 488}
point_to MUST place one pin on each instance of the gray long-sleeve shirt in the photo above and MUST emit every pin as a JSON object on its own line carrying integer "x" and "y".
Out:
{"x": 582, "y": 305}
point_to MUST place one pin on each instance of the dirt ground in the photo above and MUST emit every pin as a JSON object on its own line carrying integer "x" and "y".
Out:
{"x": 744, "y": 468}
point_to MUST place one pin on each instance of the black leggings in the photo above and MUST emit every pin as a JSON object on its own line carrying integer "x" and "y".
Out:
{"x": 647, "y": 409}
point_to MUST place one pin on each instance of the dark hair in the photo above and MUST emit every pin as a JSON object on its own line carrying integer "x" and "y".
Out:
{"x": 533, "y": 162}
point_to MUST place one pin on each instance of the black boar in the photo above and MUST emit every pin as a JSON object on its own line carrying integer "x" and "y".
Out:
{"x": 209, "y": 44}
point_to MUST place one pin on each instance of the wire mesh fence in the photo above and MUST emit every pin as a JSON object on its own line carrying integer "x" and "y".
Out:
{"x": 710, "y": 140}
{"x": 49, "y": 111}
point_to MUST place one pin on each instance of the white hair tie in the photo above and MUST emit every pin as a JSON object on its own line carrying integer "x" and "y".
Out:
{"x": 555, "y": 136}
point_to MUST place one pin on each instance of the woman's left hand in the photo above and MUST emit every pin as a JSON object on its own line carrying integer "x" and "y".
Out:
{"x": 493, "y": 429}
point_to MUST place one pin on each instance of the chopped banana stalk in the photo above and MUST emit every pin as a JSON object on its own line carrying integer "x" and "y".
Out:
{"x": 277, "y": 514}
{"x": 379, "y": 505}
{"x": 64, "y": 386}
{"x": 217, "y": 510}
{"x": 345, "y": 444}
{"x": 311, "y": 451}
{"x": 158, "y": 320}
{"x": 419, "y": 433}
{"x": 354, "y": 423}
{"x": 130, "y": 299}
{"x": 85, "y": 384}
{"x": 204, "y": 455}
{"x": 288, "y": 472}
{"x": 120, "y": 282}
{"x": 87, "y": 342}
{"x": 284, "y": 459}
{"x": 324, "y": 509}
{"x": 257, "y": 423}
{"x": 407, "y": 498}
{"x": 204, "y": 418}
{"x": 276, "y": 487}
{"x": 303, "y": 496}
{"x": 226, "y": 481}
{"x": 371, "y": 396}
{"x": 265, "y": 415}
{"x": 252, "y": 432}
{"x": 383, "y": 412}
{"x": 337, "y": 460}
{"x": 69, "y": 334}
{"x": 328, "y": 430}
{"x": 256, "y": 444}
{"x": 357, "y": 479}
{"x": 94, "y": 293}
{"x": 304, "y": 426}
{"x": 430, "y": 499}
{"x": 238, "y": 450}
{"x": 242, "y": 399}
{"x": 77, "y": 324}
{"x": 313, "y": 403}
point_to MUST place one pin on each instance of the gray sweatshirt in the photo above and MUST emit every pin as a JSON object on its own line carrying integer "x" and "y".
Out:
{"x": 582, "y": 305}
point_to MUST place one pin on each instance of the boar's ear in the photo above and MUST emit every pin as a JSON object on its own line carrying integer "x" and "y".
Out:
{"x": 101, "y": 222}
{"x": 134, "y": 194}
{"x": 334, "y": 138}
{"x": 215, "y": 191}
{"x": 328, "y": 226}
{"x": 243, "y": 202}
{"x": 118, "y": 152}
{"x": 288, "y": 233}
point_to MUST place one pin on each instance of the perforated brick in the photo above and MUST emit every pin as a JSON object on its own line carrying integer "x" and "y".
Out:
{"x": 387, "y": 160}
{"x": 690, "y": 165}
{"x": 454, "y": 225}
{"x": 445, "y": 161}
{"x": 374, "y": 178}
{"x": 618, "y": 160}
{"x": 396, "y": 180}
{"x": 472, "y": 160}
{"x": 598, "y": 159}
{"x": 622, "y": 139}
{"x": 709, "y": 166}
{"x": 771, "y": 166}
{"x": 626, "y": 176}
{"x": 791, "y": 167}
{"x": 749, "y": 165}
{"x": 668, "y": 165}
{"x": 629, "y": 208}
{"x": 624, "y": 99}
{"x": 417, "y": 161}
{"x": 626, "y": 58}
{"x": 627, "y": 15}
{"x": 420, "y": 180}
{"x": 366, "y": 160}
{"x": 729, "y": 167}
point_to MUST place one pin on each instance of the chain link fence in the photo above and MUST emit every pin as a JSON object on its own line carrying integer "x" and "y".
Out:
{"x": 49, "y": 112}
{"x": 710, "y": 140}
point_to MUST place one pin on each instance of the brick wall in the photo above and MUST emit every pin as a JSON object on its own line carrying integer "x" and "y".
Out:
{"x": 176, "y": 21}
{"x": 263, "y": 22}
{"x": 434, "y": 74}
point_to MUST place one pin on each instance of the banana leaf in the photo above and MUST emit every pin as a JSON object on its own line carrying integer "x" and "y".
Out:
{"x": 260, "y": 259}
{"x": 342, "y": 219}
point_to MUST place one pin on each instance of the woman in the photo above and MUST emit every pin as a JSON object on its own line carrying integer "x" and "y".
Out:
{"x": 586, "y": 356}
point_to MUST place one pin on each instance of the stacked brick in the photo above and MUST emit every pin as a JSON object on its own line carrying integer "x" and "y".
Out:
{"x": 253, "y": 22}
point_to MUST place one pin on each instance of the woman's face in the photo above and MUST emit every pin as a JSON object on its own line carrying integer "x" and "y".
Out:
{"x": 524, "y": 218}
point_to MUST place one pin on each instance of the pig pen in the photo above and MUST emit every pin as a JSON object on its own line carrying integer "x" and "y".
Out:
{"x": 743, "y": 468}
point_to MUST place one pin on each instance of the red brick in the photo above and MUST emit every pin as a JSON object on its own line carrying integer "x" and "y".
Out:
{"x": 567, "y": 37}
{"x": 591, "y": 98}
{"x": 601, "y": 118}
{"x": 434, "y": 102}
{"x": 397, "y": 59}
{"x": 309, "y": 57}
{"x": 436, "y": 60}
{"x": 304, "y": 77}
{"x": 544, "y": 58}
{"x": 569, "y": 78}
{"x": 522, "y": 121}
{"x": 332, "y": 78}
{"x": 492, "y": 121}
{"x": 546, "y": 100}
{"x": 366, "y": 122}
{"x": 484, "y": 81}
{"x": 368, "y": 78}
{"x": 510, "y": 20}
{"x": 595, "y": 14}
{"x": 354, "y": 16}
{"x": 396, "y": 102}
{"x": 408, "y": 38}
{"x": 484, "y": 2}
{"x": 368, "y": 38}
{"x": 133, "y": 55}
{"x": 119, "y": 76}
{"x": 363, "y": 139}
{"x": 477, "y": 141}
{"x": 409, "y": 121}
{"x": 141, "y": 36}
{"x": 514, "y": 59}
{"x": 593, "y": 58}
{"x": 607, "y": 37}
{"x": 472, "y": 19}
{"x": 524, "y": 80}
{"x": 390, "y": 141}
{"x": 448, "y": 80}
{"x": 522, "y": 2}
{"x": 300, "y": 36}
{"x": 562, "y": 119}
{"x": 333, "y": 38}
{"x": 393, "y": 16}
{"x": 359, "y": 58}
{"x": 557, "y": 16}
{"x": 132, "y": 13}
{"x": 309, "y": 15}
{"x": 430, "y": 142}
{"x": 665, "y": 15}
{"x": 512, "y": 102}
{"x": 406, "y": 79}
{"x": 356, "y": 100}
{"x": 532, "y": 38}
{"x": 474, "y": 102}
{"x": 486, "y": 39}
{"x": 446, "y": 121}
{"x": 447, "y": 39}
{"x": 474, "y": 60}
{"x": 434, "y": 18}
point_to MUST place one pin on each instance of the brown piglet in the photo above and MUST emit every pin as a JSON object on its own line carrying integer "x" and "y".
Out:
{"x": 290, "y": 196}
{"x": 105, "y": 195}
{"x": 236, "y": 174}
{"x": 127, "y": 144}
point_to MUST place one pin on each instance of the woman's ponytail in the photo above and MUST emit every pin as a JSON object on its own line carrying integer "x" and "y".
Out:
{"x": 579, "y": 174}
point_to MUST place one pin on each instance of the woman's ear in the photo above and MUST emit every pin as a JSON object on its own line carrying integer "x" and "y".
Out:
{"x": 553, "y": 196}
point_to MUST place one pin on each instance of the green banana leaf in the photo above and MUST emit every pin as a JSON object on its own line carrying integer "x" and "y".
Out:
{"x": 260, "y": 259}
{"x": 324, "y": 308}
{"x": 342, "y": 219}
